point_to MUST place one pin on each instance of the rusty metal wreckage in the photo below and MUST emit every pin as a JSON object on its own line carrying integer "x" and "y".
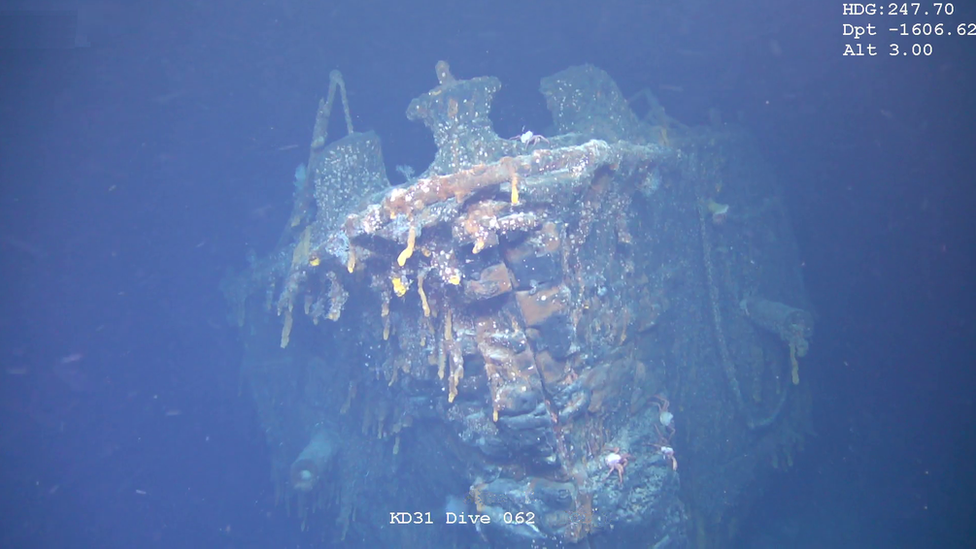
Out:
{"x": 524, "y": 305}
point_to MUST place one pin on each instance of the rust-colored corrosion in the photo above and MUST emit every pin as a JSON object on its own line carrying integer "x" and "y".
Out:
{"x": 505, "y": 286}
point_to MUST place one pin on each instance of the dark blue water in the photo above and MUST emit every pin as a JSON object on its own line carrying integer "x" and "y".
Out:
{"x": 146, "y": 149}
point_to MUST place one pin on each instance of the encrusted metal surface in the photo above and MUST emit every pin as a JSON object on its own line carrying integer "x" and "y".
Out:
{"x": 540, "y": 303}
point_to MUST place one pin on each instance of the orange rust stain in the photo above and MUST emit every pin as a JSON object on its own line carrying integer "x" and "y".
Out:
{"x": 539, "y": 306}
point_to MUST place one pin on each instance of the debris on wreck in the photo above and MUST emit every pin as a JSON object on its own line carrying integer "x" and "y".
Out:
{"x": 522, "y": 306}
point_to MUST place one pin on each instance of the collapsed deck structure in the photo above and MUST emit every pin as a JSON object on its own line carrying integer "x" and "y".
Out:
{"x": 539, "y": 330}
